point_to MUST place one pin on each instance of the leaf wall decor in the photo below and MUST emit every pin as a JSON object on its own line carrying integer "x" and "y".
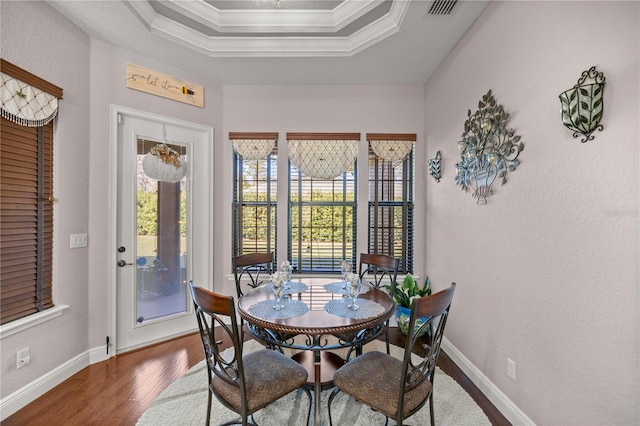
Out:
{"x": 582, "y": 106}
{"x": 488, "y": 149}
{"x": 434, "y": 167}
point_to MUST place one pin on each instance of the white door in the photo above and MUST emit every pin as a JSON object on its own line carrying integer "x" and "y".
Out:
{"x": 163, "y": 227}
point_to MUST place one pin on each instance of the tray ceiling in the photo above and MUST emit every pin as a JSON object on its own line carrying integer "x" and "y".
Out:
{"x": 286, "y": 41}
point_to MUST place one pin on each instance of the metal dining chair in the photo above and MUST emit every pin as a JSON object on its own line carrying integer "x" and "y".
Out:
{"x": 252, "y": 268}
{"x": 384, "y": 271}
{"x": 242, "y": 383}
{"x": 399, "y": 388}
{"x": 250, "y": 271}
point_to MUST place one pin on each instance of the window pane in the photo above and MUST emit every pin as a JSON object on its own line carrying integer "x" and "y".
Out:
{"x": 391, "y": 209}
{"x": 161, "y": 242}
{"x": 322, "y": 225}
{"x": 254, "y": 204}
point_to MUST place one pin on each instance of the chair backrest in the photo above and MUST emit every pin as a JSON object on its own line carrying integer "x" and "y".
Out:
{"x": 250, "y": 267}
{"x": 435, "y": 309}
{"x": 214, "y": 312}
{"x": 383, "y": 268}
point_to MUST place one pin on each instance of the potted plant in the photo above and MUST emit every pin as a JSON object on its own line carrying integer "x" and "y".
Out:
{"x": 404, "y": 295}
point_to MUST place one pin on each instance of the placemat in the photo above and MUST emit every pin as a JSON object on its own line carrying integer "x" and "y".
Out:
{"x": 337, "y": 287}
{"x": 292, "y": 308}
{"x": 368, "y": 308}
{"x": 296, "y": 287}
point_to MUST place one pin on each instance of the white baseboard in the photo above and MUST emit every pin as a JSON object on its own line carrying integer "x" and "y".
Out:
{"x": 99, "y": 354}
{"x": 486, "y": 386}
{"x": 40, "y": 386}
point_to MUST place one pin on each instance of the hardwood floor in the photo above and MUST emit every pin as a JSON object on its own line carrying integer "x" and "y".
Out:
{"x": 119, "y": 390}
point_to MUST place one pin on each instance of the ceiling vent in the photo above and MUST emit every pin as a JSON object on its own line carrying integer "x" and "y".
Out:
{"x": 441, "y": 7}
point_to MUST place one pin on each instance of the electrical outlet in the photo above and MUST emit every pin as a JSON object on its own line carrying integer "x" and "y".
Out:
{"x": 23, "y": 358}
{"x": 511, "y": 369}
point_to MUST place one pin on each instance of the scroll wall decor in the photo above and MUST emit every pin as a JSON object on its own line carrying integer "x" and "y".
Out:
{"x": 582, "y": 106}
{"x": 488, "y": 149}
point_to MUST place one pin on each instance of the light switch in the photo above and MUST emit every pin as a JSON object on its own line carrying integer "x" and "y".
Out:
{"x": 77, "y": 240}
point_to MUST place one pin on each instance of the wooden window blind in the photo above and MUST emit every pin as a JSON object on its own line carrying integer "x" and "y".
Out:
{"x": 391, "y": 202}
{"x": 322, "y": 223}
{"x": 254, "y": 197}
{"x": 26, "y": 192}
{"x": 26, "y": 219}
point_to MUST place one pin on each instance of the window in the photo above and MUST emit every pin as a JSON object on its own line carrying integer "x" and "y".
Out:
{"x": 322, "y": 200}
{"x": 255, "y": 161}
{"x": 391, "y": 196}
{"x": 322, "y": 227}
{"x": 29, "y": 104}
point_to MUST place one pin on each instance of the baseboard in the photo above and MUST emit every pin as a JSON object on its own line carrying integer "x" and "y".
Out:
{"x": 40, "y": 386}
{"x": 486, "y": 386}
{"x": 99, "y": 354}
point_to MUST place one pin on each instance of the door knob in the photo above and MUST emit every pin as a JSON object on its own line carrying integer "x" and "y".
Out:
{"x": 122, "y": 263}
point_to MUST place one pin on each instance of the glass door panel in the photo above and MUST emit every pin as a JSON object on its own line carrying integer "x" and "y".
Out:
{"x": 161, "y": 242}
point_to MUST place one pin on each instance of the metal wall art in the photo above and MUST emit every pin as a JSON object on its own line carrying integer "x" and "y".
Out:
{"x": 582, "y": 106}
{"x": 488, "y": 149}
{"x": 434, "y": 167}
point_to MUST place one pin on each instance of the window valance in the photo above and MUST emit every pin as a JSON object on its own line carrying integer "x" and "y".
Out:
{"x": 323, "y": 155}
{"x": 391, "y": 147}
{"x": 24, "y": 103}
{"x": 253, "y": 146}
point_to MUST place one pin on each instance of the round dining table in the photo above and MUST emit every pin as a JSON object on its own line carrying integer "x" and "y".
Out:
{"x": 316, "y": 319}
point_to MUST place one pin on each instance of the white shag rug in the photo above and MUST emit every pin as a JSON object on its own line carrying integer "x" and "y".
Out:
{"x": 184, "y": 402}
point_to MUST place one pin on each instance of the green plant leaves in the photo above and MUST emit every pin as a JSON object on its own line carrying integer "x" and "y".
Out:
{"x": 410, "y": 289}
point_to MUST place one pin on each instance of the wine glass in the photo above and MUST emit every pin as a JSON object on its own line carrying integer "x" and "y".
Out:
{"x": 345, "y": 268}
{"x": 285, "y": 269}
{"x": 354, "y": 290}
{"x": 278, "y": 290}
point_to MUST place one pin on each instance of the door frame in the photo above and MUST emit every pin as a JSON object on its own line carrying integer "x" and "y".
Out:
{"x": 201, "y": 169}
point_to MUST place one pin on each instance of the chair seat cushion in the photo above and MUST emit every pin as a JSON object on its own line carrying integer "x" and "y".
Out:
{"x": 374, "y": 378}
{"x": 269, "y": 376}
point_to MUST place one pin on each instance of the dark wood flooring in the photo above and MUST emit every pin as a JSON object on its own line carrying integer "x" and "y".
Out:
{"x": 119, "y": 390}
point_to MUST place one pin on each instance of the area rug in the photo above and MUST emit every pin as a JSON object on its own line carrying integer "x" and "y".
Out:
{"x": 184, "y": 402}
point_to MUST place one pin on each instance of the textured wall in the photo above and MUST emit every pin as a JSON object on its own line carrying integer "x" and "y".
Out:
{"x": 108, "y": 87}
{"x": 373, "y": 109}
{"x": 547, "y": 272}
{"x": 36, "y": 38}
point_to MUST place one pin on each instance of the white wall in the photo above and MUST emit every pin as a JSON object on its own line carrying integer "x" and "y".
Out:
{"x": 92, "y": 74}
{"x": 547, "y": 272}
{"x": 37, "y": 39}
{"x": 108, "y": 87}
{"x": 363, "y": 109}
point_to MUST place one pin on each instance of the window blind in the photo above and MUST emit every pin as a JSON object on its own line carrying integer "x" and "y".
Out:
{"x": 391, "y": 197}
{"x": 254, "y": 192}
{"x": 26, "y": 220}
{"x": 28, "y": 108}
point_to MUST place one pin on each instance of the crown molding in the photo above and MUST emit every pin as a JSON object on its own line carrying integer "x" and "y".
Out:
{"x": 294, "y": 45}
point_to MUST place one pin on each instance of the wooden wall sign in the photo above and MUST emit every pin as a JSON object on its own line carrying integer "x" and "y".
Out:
{"x": 149, "y": 81}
